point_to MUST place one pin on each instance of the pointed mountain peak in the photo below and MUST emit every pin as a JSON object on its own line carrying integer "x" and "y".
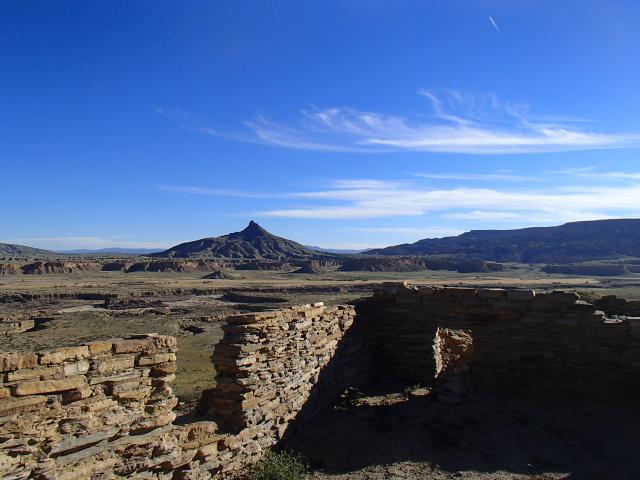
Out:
{"x": 254, "y": 230}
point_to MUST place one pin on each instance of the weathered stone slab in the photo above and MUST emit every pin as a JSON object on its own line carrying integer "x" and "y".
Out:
{"x": 11, "y": 404}
{"x": 157, "y": 358}
{"x": 48, "y": 386}
{"x": 76, "y": 443}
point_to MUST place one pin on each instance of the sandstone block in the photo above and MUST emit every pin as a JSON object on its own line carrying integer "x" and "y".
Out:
{"x": 163, "y": 369}
{"x": 99, "y": 347}
{"x": 4, "y": 392}
{"x": 78, "y": 368}
{"x": 18, "y": 403}
{"x": 114, "y": 364}
{"x": 30, "y": 374}
{"x": 76, "y": 395}
{"x": 131, "y": 346}
{"x": 59, "y": 355}
{"x": 159, "y": 381}
{"x": 48, "y": 386}
{"x": 16, "y": 361}
{"x": 157, "y": 358}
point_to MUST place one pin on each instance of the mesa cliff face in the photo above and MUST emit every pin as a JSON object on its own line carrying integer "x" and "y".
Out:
{"x": 571, "y": 242}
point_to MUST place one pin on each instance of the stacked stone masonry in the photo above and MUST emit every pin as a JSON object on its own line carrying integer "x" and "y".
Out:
{"x": 104, "y": 410}
{"x": 540, "y": 345}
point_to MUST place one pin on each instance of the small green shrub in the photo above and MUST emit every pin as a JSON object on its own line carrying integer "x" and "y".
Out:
{"x": 279, "y": 466}
{"x": 351, "y": 397}
{"x": 411, "y": 388}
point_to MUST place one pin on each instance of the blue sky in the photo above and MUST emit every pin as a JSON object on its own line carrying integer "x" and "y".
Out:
{"x": 340, "y": 124}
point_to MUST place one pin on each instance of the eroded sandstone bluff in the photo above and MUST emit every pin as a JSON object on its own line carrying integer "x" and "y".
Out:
{"x": 105, "y": 409}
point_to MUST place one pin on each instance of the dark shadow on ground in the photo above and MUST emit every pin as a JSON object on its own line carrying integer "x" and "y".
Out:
{"x": 482, "y": 435}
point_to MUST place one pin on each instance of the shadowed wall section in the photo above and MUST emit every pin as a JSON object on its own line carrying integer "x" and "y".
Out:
{"x": 524, "y": 344}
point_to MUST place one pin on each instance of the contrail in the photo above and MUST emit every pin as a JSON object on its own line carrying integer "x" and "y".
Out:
{"x": 495, "y": 25}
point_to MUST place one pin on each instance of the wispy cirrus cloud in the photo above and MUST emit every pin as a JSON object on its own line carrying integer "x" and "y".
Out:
{"x": 560, "y": 196}
{"x": 575, "y": 202}
{"x": 214, "y": 192}
{"x": 428, "y": 232}
{"x": 457, "y": 123}
{"x": 498, "y": 176}
{"x": 89, "y": 242}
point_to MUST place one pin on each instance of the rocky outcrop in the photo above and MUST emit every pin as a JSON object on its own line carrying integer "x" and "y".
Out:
{"x": 265, "y": 266}
{"x": 417, "y": 264}
{"x": 174, "y": 266}
{"x": 39, "y": 268}
{"x": 9, "y": 269}
{"x": 220, "y": 275}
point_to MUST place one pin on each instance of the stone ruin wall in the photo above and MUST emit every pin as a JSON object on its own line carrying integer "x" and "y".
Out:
{"x": 520, "y": 343}
{"x": 105, "y": 409}
{"x": 78, "y": 411}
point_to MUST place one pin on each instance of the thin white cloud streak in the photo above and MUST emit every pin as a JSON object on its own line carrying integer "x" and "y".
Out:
{"x": 214, "y": 192}
{"x": 569, "y": 203}
{"x": 89, "y": 242}
{"x": 495, "y": 25}
{"x": 527, "y": 217}
{"x": 634, "y": 176}
{"x": 461, "y": 123}
{"x": 479, "y": 177}
{"x": 427, "y": 232}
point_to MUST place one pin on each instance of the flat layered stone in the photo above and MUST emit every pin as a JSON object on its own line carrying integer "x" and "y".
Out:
{"x": 15, "y": 403}
{"x": 48, "y": 386}
{"x": 157, "y": 358}
{"x": 76, "y": 443}
{"x": 30, "y": 374}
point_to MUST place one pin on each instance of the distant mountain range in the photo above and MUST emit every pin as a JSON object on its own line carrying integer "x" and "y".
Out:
{"x": 334, "y": 250}
{"x": 252, "y": 243}
{"x": 12, "y": 250}
{"x": 568, "y": 243}
{"x": 113, "y": 250}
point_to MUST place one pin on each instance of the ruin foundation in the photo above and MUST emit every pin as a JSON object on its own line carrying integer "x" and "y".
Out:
{"x": 105, "y": 409}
